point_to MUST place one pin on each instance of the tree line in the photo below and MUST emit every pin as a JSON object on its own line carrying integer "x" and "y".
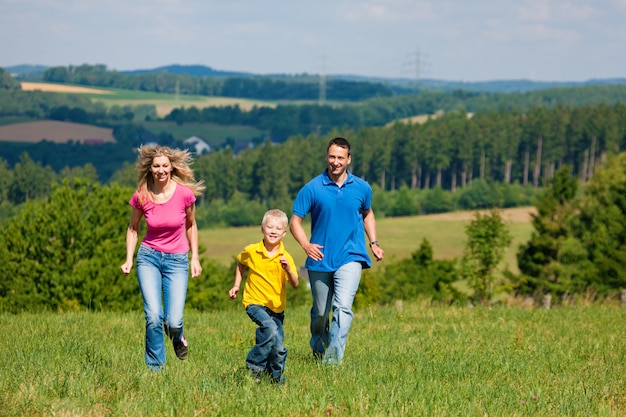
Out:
{"x": 257, "y": 87}
{"x": 455, "y": 161}
{"x": 286, "y": 120}
{"x": 449, "y": 152}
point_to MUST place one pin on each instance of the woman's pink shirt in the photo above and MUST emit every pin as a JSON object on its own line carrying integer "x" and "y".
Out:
{"x": 166, "y": 222}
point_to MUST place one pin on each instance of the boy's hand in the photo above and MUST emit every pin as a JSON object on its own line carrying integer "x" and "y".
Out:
{"x": 285, "y": 264}
{"x": 233, "y": 292}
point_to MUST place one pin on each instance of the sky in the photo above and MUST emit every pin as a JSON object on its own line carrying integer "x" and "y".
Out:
{"x": 453, "y": 40}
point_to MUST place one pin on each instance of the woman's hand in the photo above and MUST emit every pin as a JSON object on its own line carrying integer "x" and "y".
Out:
{"x": 196, "y": 268}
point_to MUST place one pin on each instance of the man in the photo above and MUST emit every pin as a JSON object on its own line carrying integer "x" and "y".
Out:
{"x": 340, "y": 207}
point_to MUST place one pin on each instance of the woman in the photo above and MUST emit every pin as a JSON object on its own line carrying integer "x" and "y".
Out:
{"x": 165, "y": 196}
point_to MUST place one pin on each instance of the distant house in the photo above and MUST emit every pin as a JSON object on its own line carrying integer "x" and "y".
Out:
{"x": 197, "y": 145}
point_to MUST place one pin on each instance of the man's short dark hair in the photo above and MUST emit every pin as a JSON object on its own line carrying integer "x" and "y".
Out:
{"x": 341, "y": 142}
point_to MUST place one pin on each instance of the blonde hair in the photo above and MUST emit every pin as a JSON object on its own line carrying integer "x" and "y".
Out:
{"x": 276, "y": 215}
{"x": 181, "y": 172}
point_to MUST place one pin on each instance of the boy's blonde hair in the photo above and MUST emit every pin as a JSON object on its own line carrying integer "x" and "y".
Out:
{"x": 276, "y": 215}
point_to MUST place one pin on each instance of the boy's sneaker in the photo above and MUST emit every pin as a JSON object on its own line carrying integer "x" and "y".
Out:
{"x": 181, "y": 349}
{"x": 256, "y": 375}
{"x": 281, "y": 381}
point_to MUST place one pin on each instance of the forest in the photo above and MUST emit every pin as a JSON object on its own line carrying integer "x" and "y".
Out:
{"x": 565, "y": 158}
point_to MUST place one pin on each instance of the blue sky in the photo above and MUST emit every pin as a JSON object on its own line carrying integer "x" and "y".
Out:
{"x": 455, "y": 40}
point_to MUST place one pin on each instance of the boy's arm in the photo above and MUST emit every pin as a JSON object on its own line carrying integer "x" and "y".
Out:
{"x": 238, "y": 276}
{"x": 291, "y": 273}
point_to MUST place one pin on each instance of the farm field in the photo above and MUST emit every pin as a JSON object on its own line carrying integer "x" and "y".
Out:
{"x": 164, "y": 103}
{"x": 54, "y": 131}
{"x": 399, "y": 237}
{"x": 400, "y": 361}
{"x": 61, "y": 88}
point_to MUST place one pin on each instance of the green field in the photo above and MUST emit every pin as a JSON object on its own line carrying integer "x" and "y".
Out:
{"x": 400, "y": 361}
{"x": 214, "y": 134}
{"x": 399, "y": 237}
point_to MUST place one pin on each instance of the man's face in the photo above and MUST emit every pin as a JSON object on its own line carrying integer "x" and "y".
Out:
{"x": 338, "y": 160}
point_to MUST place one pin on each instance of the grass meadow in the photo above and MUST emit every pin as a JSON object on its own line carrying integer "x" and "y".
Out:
{"x": 409, "y": 359}
{"x": 399, "y": 237}
{"x": 405, "y": 360}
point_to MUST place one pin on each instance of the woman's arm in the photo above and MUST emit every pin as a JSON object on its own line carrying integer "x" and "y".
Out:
{"x": 192, "y": 235}
{"x": 132, "y": 234}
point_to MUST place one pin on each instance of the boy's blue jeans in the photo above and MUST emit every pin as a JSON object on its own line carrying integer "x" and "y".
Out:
{"x": 268, "y": 354}
{"x": 333, "y": 290}
{"x": 163, "y": 279}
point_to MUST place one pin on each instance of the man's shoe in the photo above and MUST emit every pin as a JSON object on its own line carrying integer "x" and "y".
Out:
{"x": 181, "y": 349}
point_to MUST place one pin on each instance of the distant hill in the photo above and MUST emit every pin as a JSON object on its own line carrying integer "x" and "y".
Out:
{"x": 191, "y": 70}
{"x": 400, "y": 85}
{"x": 496, "y": 86}
{"x": 27, "y": 72}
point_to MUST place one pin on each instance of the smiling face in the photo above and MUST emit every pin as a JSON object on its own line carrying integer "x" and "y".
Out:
{"x": 161, "y": 169}
{"x": 338, "y": 159}
{"x": 273, "y": 231}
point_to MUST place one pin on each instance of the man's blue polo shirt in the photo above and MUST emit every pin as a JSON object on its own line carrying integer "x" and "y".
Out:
{"x": 336, "y": 220}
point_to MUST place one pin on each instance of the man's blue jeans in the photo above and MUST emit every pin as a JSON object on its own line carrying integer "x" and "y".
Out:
{"x": 269, "y": 354}
{"x": 163, "y": 279}
{"x": 337, "y": 290}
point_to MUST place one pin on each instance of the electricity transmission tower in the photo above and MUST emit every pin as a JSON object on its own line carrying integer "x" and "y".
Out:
{"x": 417, "y": 64}
{"x": 322, "y": 95}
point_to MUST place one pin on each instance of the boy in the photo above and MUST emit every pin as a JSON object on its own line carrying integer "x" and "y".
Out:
{"x": 265, "y": 294}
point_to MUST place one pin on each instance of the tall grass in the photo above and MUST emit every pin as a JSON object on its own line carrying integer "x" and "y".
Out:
{"x": 400, "y": 361}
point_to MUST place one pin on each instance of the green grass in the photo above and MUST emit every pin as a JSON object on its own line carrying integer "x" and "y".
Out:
{"x": 399, "y": 237}
{"x": 213, "y": 133}
{"x": 410, "y": 361}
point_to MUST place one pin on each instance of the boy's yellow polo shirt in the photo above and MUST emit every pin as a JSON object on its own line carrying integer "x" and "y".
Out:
{"x": 266, "y": 284}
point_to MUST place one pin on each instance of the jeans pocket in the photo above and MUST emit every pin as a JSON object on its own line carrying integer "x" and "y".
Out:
{"x": 179, "y": 257}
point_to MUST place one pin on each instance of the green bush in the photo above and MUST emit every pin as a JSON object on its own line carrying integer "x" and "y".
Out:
{"x": 63, "y": 253}
{"x": 411, "y": 279}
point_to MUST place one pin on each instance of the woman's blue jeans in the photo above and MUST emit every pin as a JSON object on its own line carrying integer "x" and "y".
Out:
{"x": 268, "y": 354}
{"x": 163, "y": 279}
{"x": 334, "y": 290}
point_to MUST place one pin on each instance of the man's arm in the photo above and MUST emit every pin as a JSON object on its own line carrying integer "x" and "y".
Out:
{"x": 369, "y": 223}
{"x": 311, "y": 249}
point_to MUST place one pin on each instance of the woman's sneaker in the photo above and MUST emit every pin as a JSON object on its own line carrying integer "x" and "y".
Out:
{"x": 181, "y": 349}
